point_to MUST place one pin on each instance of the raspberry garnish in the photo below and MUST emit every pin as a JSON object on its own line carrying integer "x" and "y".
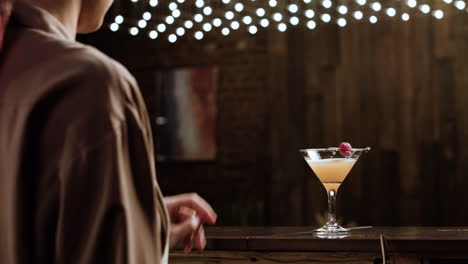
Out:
{"x": 345, "y": 149}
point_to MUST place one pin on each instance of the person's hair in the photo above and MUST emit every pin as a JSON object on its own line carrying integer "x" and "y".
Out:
{"x": 5, "y": 10}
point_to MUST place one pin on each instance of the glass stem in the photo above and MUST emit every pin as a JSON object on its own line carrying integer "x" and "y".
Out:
{"x": 331, "y": 208}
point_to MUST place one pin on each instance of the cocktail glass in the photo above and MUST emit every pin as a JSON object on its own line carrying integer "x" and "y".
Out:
{"x": 331, "y": 167}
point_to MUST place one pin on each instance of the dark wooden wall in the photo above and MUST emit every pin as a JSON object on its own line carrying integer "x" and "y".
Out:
{"x": 398, "y": 87}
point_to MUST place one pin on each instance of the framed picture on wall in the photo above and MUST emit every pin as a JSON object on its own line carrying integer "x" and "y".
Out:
{"x": 186, "y": 114}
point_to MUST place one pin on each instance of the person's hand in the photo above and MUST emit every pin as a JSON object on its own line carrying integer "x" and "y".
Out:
{"x": 188, "y": 212}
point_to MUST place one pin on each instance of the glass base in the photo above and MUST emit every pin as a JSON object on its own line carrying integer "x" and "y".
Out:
{"x": 331, "y": 231}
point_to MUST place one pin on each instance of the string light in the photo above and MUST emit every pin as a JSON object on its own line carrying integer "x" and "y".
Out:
{"x": 217, "y": 22}
{"x": 327, "y": 3}
{"x": 325, "y": 18}
{"x": 229, "y": 15}
{"x": 309, "y": 13}
{"x": 147, "y": 16}
{"x": 225, "y": 31}
{"x": 311, "y": 24}
{"x": 188, "y": 24}
{"x": 294, "y": 21}
{"x": 358, "y": 15}
{"x": 376, "y": 6}
{"x": 114, "y": 27}
{"x": 277, "y": 17}
{"x": 342, "y": 10}
{"x": 293, "y": 8}
{"x": 439, "y": 14}
{"x": 134, "y": 31}
{"x": 460, "y": 5}
{"x": 235, "y": 25}
{"x": 260, "y": 12}
{"x": 257, "y": 16}
{"x": 341, "y": 22}
{"x": 176, "y": 13}
{"x": 391, "y": 12}
{"x": 180, "y": 31}
{"x": 199, "y": 35}
{"x": 153, "y": 34}
{"x": 172, "y": 38}
{"x": 282, "y": 27}
{"x": 161, "y": 28}
{"x": 425, "y": 8}
{"x": 264, "y": 22}
{"x": 253, "y": 30}
{"x": 119, "y": 19}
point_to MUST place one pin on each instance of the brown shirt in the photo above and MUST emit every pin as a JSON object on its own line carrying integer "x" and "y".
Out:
{"x": 77, "y": 173}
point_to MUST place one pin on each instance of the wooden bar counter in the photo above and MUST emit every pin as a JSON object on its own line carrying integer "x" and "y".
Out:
{"x": 435, "y": 245}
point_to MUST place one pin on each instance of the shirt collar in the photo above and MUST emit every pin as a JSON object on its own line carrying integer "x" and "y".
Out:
{"x": 32, "y": 16}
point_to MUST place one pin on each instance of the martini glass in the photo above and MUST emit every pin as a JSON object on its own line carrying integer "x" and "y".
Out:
{"x": 331, "y": 168}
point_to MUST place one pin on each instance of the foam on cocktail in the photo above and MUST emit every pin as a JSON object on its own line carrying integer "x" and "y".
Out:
{"x": 331, "y": 172}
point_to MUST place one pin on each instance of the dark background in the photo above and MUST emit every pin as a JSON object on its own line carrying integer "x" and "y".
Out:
{"x": 398, "y": 87}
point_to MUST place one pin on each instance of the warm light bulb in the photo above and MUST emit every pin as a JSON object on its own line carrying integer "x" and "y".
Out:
{"x": 439, "y": 14}
{"x": 376, "y": 6}
{"x": 153, "y": 3}
{"x": 361, "y": 2}
{"x": 114, "y": 27}
{"x": 273, "y": 3}
{"x": 325, "y": 17}
{"x": 277, "y": 17}
{"x": 172, "y": 38}
{"x": 373, "y": 19}
{"x": 342, "y": 10}
{"x": 180, "y": 31}
{"x": 341, "y": 22}
{"x": 294, "y": 21}
{"x": 188, "y": 24}
{"x": 142, "y": 23}
{"x": 293, "y": 8}
{"x": 235, "y": 25}
{"x": 153, "y": 34}
{"x": 170, "y": 20}
{"x": 460, "y": 5}
{"x": 282, "y": 27}
{"x": 207, "y": 10}
{"x": 207, "y": 27}
{"x": 119, "y": 19}
{"x": 217, "y": 22}
{"x": 161, "y": 28}
{"x": 253, "y": 30}
{"x": 199, "y": 3}
{"x": 134, "y": 31}
{"x": 176, "y": 13}
{"x": 229, "y": 15}
{"x": 198, "y": 18}
{"x": 225, "y": 31}
{"x": 309, "y": 13}
{"x": 247, "y": 20}
{"x": 311, "y": 24}
{"x": 405, "y": 17}
{"x": 425, "y": 8}
{"x": 199, "y": 35}
{"x": 264, "y": 22}
{"x": 239, "y": 7}
{"x": 391, "y": 12}
{"x": 358, "y": 15}
{"x": 327, "y": 3}
{"x": 412, "y": 3}
{"x": 172, "y": 6}
{"x": 147, "y": 16}
{"x": 260, "y": 12}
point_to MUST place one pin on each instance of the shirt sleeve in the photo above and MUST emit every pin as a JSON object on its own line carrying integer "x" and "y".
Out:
{"x": 108, "y": 208}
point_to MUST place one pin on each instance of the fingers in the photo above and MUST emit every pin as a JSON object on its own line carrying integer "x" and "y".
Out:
{"x": 184, "y": 229}
{"x": 200, "y": 240}
{"x": 194, "y": 201}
